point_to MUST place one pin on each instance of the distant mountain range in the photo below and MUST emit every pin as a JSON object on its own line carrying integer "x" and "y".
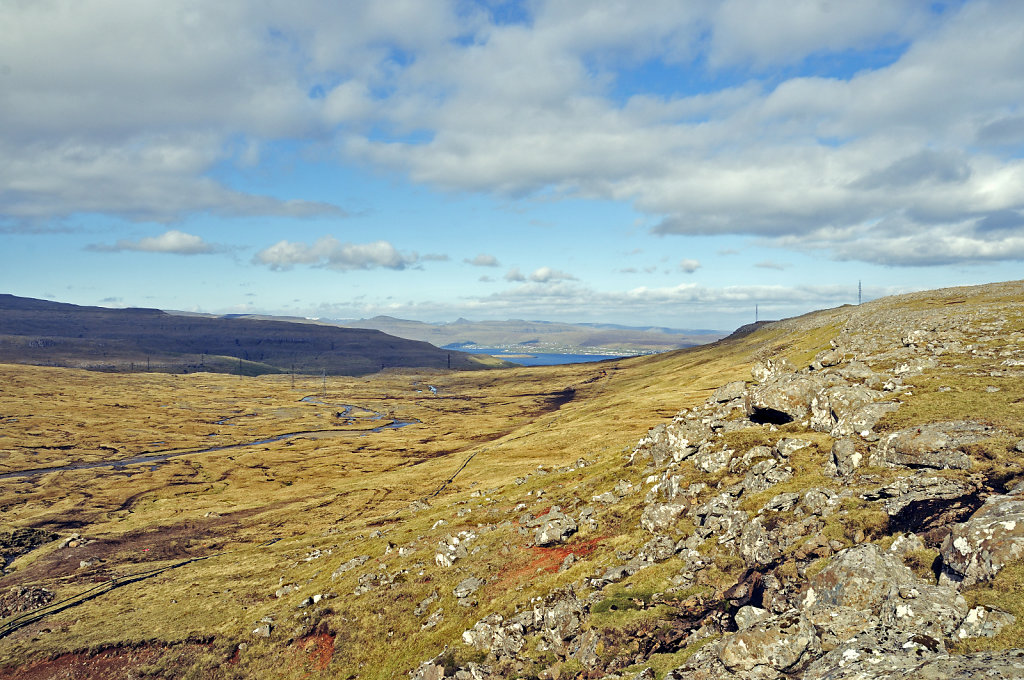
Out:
{"x": 541, "y": 336}
{"x": 41, "y": 332}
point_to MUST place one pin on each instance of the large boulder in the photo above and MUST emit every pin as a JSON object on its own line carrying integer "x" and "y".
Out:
{"x": 838, "y": 403}
{"x": 673, "y": 442}
{"x": 787, "y": 397}
{"x": 993, "y": 537}
{"x": 659, "y": 518}
{"x": 555, "y": 528}
{"x": 934, "y": 610}
{"x": 781, "y": 644}
{"x": 936, "y": 445}
{"x": 876, "y": 654}
{"x": 859, "y": 578}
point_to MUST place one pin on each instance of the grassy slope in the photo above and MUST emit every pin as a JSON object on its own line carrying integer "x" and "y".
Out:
{"x": 332, "y": 494}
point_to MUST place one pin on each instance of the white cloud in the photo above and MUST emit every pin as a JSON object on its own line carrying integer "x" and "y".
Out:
{"x": 771, "y": 264}
{"x": 514, "y": 274}
{"x": 689, "y": 265}
{"x": 547, "y": 274}
{"x": 172, "y": 241}
{"x": 483, "y": 260}
{"x": 330, "y": 253}
{"x": 551, "y": 106}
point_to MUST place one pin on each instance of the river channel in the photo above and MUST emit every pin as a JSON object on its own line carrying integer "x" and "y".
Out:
{"x": 155, "y": 458}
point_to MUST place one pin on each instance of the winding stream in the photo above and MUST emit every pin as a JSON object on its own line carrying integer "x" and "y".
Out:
{"x": 155, "y": 458}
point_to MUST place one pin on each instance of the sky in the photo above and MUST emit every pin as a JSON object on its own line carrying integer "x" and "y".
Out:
{"x": 664, "y": 163}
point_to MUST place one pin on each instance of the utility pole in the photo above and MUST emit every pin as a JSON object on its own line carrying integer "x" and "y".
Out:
{"x": 859, "y": 291}
{"x": 323, "y": 375}
{"x": 756, "y": 317}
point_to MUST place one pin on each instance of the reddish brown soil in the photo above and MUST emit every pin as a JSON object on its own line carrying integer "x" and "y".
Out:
{"x": 109, "y": 664}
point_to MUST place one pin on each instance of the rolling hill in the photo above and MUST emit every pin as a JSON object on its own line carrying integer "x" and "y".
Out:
{"x": 99, "y": 338}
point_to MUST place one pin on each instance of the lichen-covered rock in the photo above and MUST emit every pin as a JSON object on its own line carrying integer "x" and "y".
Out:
{"x": 787, "y": 397}
{"x": 837, "y": 403}
{"x": 936, "y": 445}
{"x": 984, "y": 622}
{"x": 555, "y": 528}
{"x": 993, "y": 537}
{"x": 660, "y": 518}
{"x": 757, "y": 546}
{"x": 782, "y": 643}
{"x": 934, "y": 610}
{"x": 859, "y": 578}
{"x": 730, "y": 391}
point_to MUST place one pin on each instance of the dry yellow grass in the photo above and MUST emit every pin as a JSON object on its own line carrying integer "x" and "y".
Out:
{"x": 336, "y": 489}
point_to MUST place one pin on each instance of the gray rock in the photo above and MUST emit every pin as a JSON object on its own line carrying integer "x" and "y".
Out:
{"x": 937, "y": 445}
{"x": 976, "y": 550}
{"x": 859, "y": 578}
{"x": 662, "y": 517}
{"x": 844, "y": 458}
{"x": 933, "y": 610}
{"x": 467, "y": 587}
{"x": 984, "y": 622}
{"x": 748, "y": 616}
{"x": 730, "y": 391}
{"x": 555, "y": 528}
{"x": 782, "y": 643}
{"x": 263, "y": 630}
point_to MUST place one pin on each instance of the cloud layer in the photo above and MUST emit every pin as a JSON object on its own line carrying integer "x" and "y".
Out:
{"x": 885, "y": 131}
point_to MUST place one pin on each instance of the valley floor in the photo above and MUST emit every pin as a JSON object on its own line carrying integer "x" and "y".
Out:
{"x": 528, "y": 521}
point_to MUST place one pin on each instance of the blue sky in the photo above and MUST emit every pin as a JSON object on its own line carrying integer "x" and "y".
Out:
{"x": 656, "y": 163}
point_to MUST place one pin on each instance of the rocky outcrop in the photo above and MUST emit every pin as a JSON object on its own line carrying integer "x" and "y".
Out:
{"x": 992, "y": 538}
{"x": 778, "y": 482}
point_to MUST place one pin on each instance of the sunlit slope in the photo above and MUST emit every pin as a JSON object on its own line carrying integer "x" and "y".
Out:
{"x": 339, "y": 487}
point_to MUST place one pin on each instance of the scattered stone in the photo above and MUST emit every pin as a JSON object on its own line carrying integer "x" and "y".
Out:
{"x": 555, "y": 528}
{"x": 782, "y": 643}
{"x": 467, "y": 587}
{"x": 351, "y": 564}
